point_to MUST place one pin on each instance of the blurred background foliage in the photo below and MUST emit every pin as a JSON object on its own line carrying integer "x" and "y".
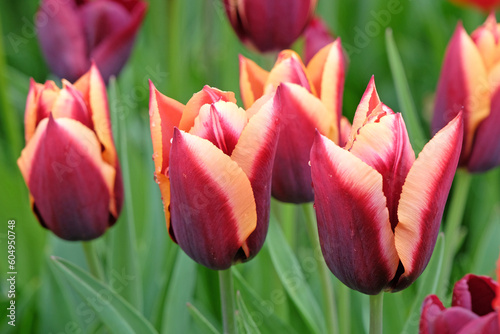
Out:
{"x": 182, "y": 46}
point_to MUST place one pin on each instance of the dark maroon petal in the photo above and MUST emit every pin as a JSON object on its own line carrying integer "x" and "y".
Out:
{"x": 475, "y": 293}
{"x": 62, "y": 40}
{"x": 353, "y": 221}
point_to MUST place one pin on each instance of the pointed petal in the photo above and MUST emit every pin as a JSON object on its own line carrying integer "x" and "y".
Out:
{"x": 221, "y": 123}
{"x": 327, "y": 72}
{"x": 353, "y": 221}
{"x": 486, "y": 38}
{"x": 432, "y": 308}
{"x": 255, "y": 154}
{"x": 463, "y": 85}
{"x": 62, "y": 39}
{"x": 114, "y": 51}
{"x": 385, "y": 146}
{"x": 288, "y": 68}
{"x": 345, "y": 130}
{"x": 316, "y": 36}
{"x": 486, "y": 147}
{"x": 475, "y": 293}
{"x": 70, "y": 104}
{"x": 302, "y": 114}
{"x": 31, "y": 115}
{"x": 70, "y": 183}
{"x": 252, "y": 80}
{"x": 212, "y": 204}
{"x": 423, "y": 199}
{"x": 207, "y": 95}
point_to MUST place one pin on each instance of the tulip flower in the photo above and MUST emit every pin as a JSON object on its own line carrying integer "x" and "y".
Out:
{"x": 316, "y": 36}
{"x": 70, "y": 163}
{"x": 269, "y": 25}
{"x": 470, "y": 82}
{"x": 311, "y": 98}
{"x": 485, "y": 5}
{"x": 72, "y": 33}
{"x": 378, "y": 209}
{"x": 213, "y": 163}
{"x": 471, "y": 309}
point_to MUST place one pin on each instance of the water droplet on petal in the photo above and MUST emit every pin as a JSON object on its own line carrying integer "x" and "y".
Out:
{"x": 309, "y": 163}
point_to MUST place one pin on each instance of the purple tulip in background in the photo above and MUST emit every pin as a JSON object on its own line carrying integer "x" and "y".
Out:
{"x": 269, "y": 25}
{"x": 73, "y": 33}
{"x": 316, "y": 36}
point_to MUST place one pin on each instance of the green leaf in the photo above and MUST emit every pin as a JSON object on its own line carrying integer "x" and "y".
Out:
{"x": 118, "y": 315}
{"x": 415, "y": 130}
{"x": 248, "y": 322}
{"x": 288, "y": 268}
{"x": 201, "y": 319}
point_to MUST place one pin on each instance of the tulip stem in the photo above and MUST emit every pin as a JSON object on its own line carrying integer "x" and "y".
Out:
{"x": 452, "y": 230}
{"x": 376, "y": 313}
{"x": 227, "y": 301}
{"x": 324, "y": 274}
{"x": 95, "y": 266}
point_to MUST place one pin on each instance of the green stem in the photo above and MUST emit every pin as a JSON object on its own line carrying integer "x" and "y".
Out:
{"x": 324, "y": 273}
{"x": 376, "y": 313}
{"x": 344, "y": 294}
{"x": 92, "y": 260}
{"x": 227, "y": 301}
{"x": 452, "y": 230}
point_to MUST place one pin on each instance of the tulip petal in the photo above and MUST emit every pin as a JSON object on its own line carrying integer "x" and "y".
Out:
{"x": 61, "y": 38}
{"x": 33, "y": 113}
{"x": 432, "y": 308}
{"x": 252, "y": 80}
{"x": 475, "y": 293}
{"x": 255, "y": 154}
{"x": 221, "y": 123}
{"x": 288, "y": 68}
{"x": 212, "y": 204}
{"x": 345, "y": 130}
{"x": 70, "y": 104}
{"x": 487, "y": 324}
{"x": 423, "y": 199}
{"x": 302, "y": 114}
{"x": 70, "y": 183}
{"x": 385, "y": 146}
{"x": 486, "y": 38}
{"x": 353, "y": 222}
{"x": 486, "y": 147}
{"x": 463, "y": 85}
{"x": 316, "y": 36}
{"x": 207, "y": 95}
{"x": 327, "y": 72}
{"x": 113, "y": 52}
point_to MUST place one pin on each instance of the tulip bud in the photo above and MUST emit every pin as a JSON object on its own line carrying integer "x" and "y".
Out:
{"x": 213, "y": 163}
{"x": 311, "y": 98}
{"x": 73, "y": 33}
{"x": 470, "y": 82}
{"x": 70, "y": 163}
{"x": 379, "y": 209}
{"x": 269, "y": 25}
{"x": 470, "y": 312}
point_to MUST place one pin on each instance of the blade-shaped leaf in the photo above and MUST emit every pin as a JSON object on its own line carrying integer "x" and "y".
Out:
{"x": 201, "y": 319}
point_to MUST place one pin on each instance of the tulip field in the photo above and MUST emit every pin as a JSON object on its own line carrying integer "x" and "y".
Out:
{"x": 237, "y": 166}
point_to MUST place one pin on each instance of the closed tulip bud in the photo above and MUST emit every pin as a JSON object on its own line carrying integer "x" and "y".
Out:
{"x": 269, "y": 25}
{"x": 316, "y": 36}
{"x": 213, "y": 163}
{"x": 470, "y": 82}
{"x": 378, "y": 209}
{"x": 311, "y": 98}
{"x": 70, "y": 163}
{"x": 471, "y": 309}
{"x": 485, "y": 5}
{"x": 73, "y": 33}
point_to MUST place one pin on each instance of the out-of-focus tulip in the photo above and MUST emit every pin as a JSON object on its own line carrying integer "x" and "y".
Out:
{"x": 72, "y": 33}
{"x": 70, "y": 163}
{"x": 269, "y": 25}
{"x": 379, "y": 209}
{"x": 311, "y": 98}
{"x": 470, "y": 82}
{"x": 471, "y": 309}
{"x": 485, "y": 5}
{"x": 213, "y": 163}
{"x": 316, "y": 36}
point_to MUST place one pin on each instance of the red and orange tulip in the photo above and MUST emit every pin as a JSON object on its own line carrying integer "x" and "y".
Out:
{"x": 70, "y": 163}
{"x": 213, "y": 163}
{"x": 379, "y": 209}
{"x": 311, "y": 98}
{"x": 73, "y": 33}
{"x": 269, "y": 25}
{"x": 471, "y": 311}
{"x": 470, "y": 82}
